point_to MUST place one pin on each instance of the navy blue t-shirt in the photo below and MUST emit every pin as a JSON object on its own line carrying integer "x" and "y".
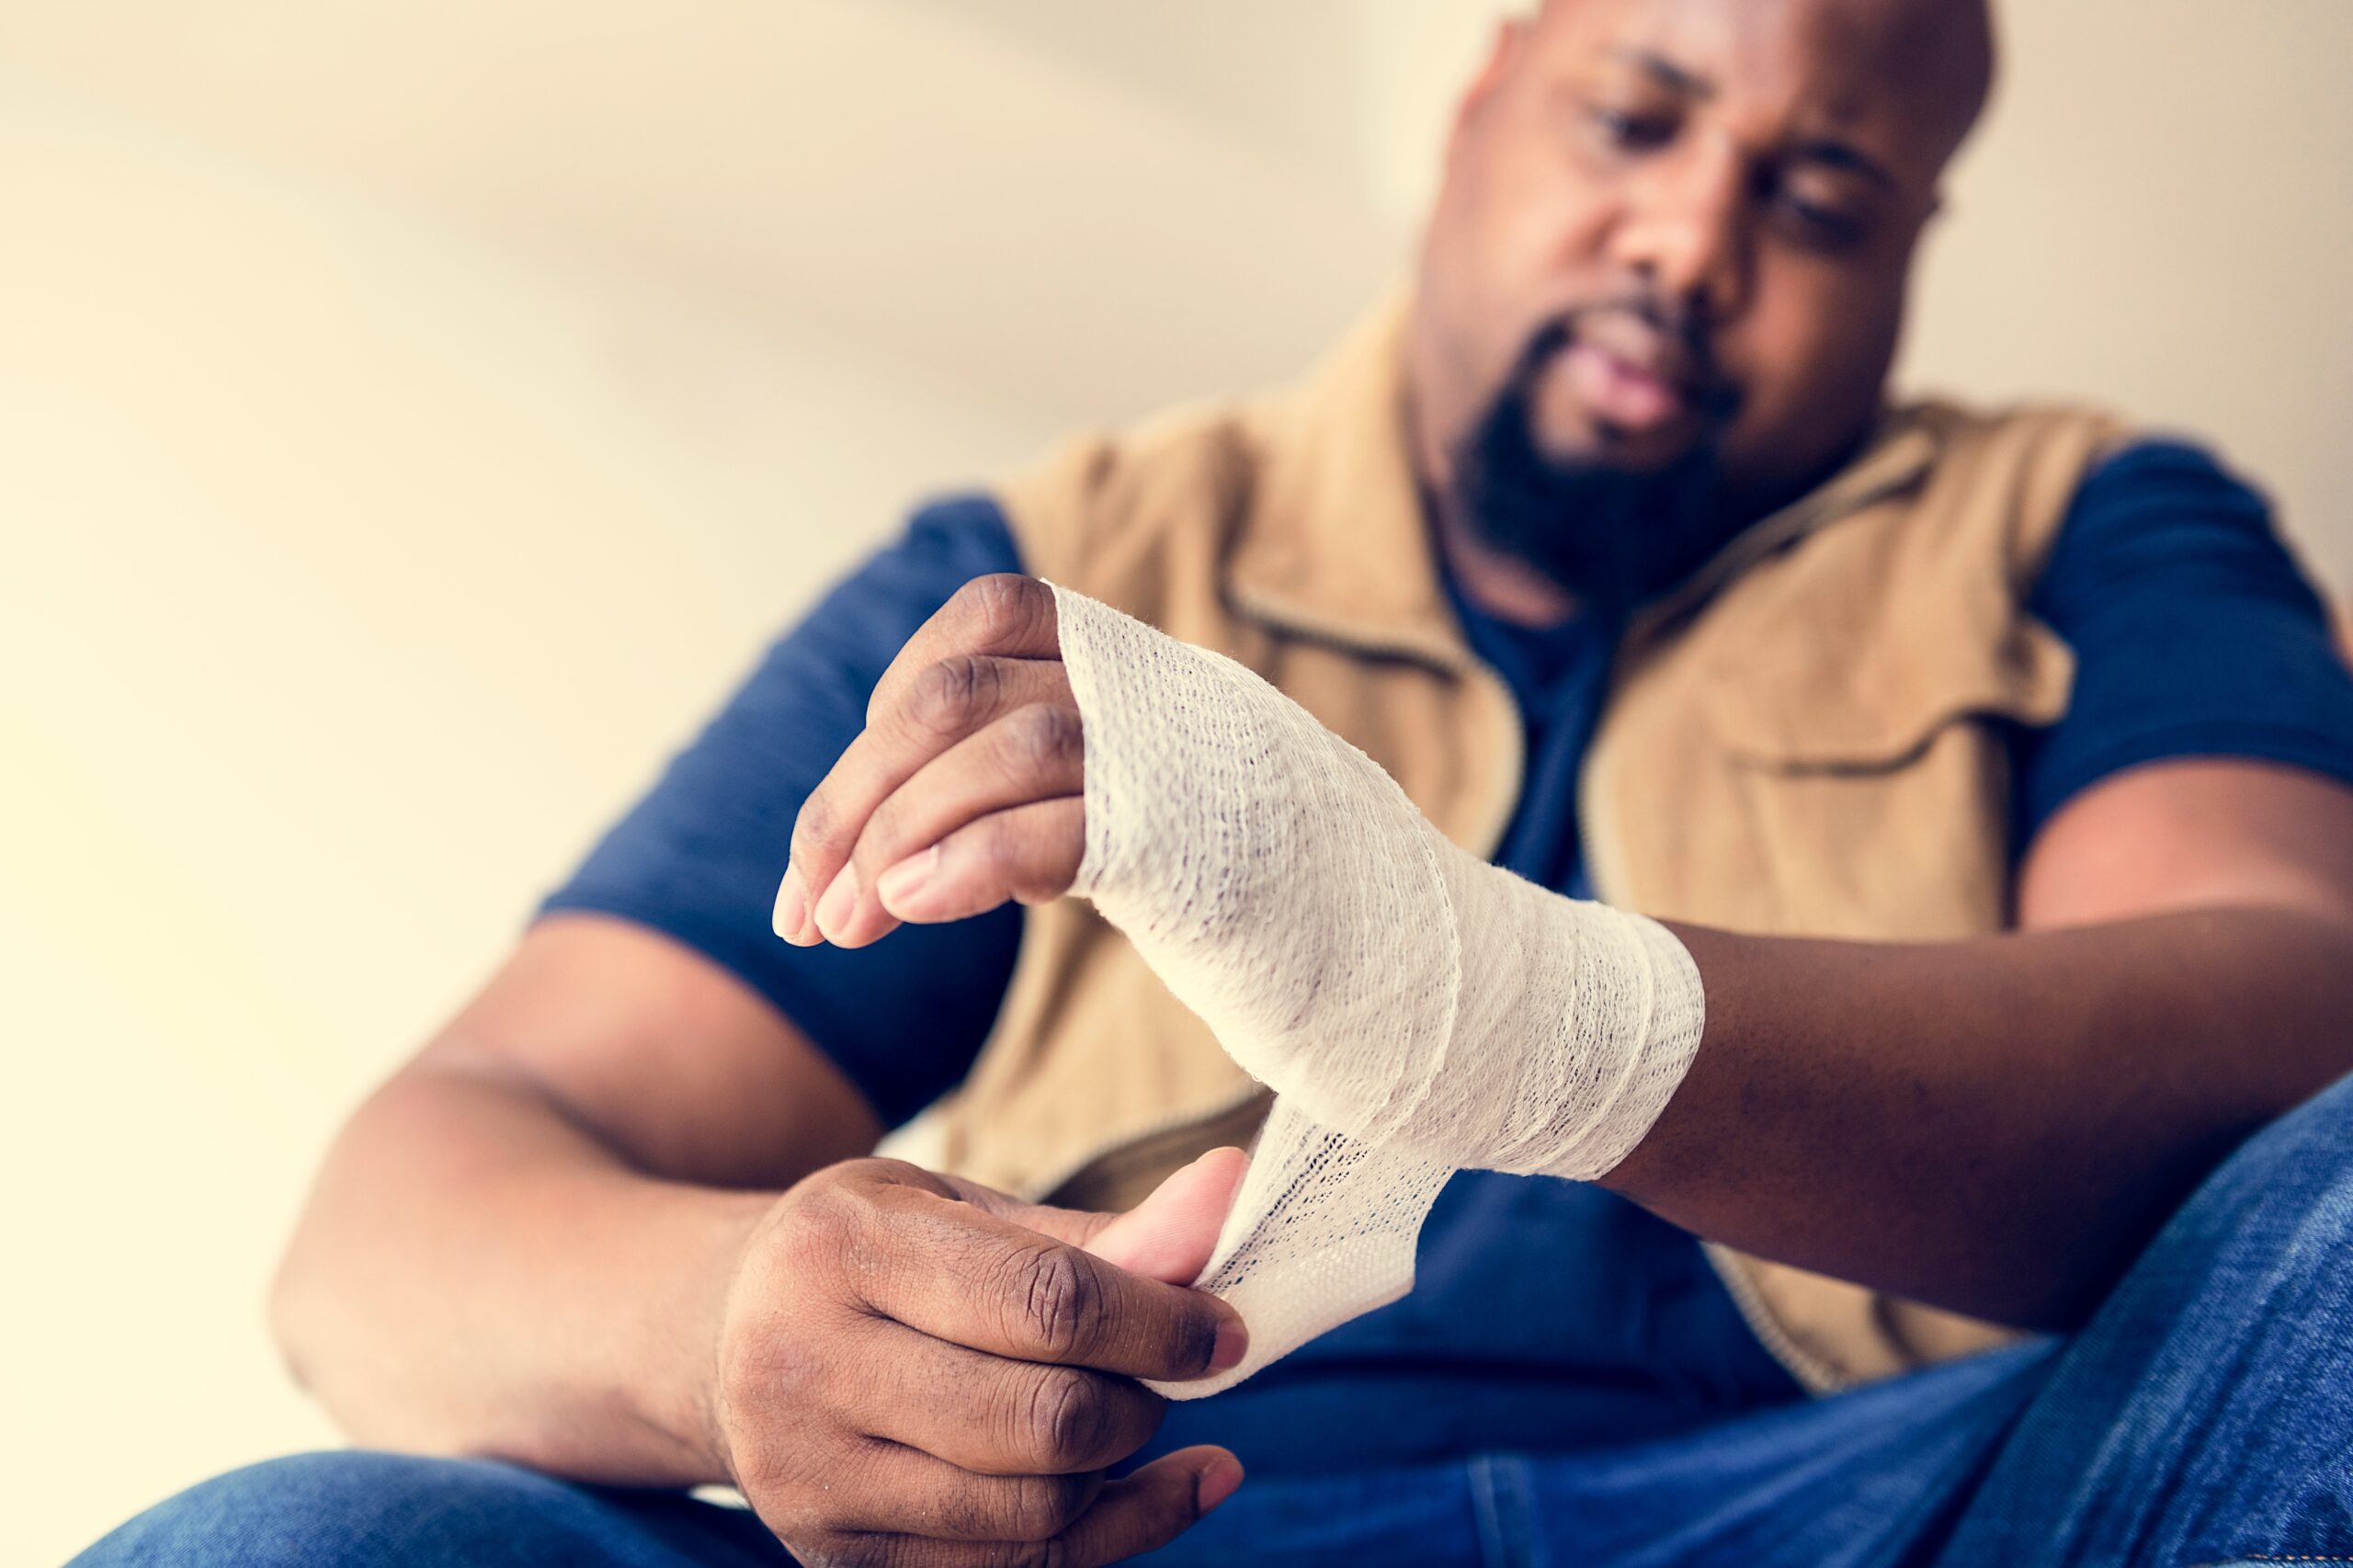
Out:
{"x": 1546, "y": 1314}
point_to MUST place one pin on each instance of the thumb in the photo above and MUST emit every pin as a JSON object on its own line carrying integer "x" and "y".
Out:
{"x": 1172, "y": 1233}
{"x": 1168, "y": 1236}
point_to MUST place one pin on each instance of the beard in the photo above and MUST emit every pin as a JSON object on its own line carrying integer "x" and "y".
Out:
{"x": 1616, "y": 537}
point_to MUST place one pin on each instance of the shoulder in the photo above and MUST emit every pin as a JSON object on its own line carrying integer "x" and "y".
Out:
{"x": 2007, "y": 473}
{"x": 2195, "y": 631}
{"x": 2164, "y": 518}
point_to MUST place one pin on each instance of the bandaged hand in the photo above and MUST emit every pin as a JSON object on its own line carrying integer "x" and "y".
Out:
{"x": 1417, "y": 1010}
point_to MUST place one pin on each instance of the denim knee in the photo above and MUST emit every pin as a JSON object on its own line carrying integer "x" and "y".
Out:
{"x": 341, "y": 1510}
{"x": 2292, "y": 1179}
{"x": 2204, "y": 1413}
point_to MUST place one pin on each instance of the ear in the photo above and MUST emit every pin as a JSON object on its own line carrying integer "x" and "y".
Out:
{"x": 1511, "y": 33}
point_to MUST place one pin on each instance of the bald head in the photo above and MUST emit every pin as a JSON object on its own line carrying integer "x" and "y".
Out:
{"x": 1940, "y": 52}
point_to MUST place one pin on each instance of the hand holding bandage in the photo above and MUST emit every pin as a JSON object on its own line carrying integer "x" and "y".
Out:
{"x": 1417, "y": 1010}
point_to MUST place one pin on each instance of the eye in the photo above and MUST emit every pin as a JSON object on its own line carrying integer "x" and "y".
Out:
{"x": 1631, "y": 130}
{"x": 1829, "y": 228}
{"x": 1794, "y": 200}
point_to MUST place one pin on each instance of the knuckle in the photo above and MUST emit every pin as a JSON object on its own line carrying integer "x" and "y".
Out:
{"x": 847, "y": 1238}
{"x": 849, "y": 1548}
{"x": 1058, "y": 1300}
{"x": 816, "y": 831}
{"x": 1000, "y": 607}
{"x": 1045, "y": 1506}
{"x": 949, "y": 696}
{"x": 826, "y": 1229}
{"x": 1045, "y": 738}
{"x": 824, "y": 1213}
{"x": 1064, "y": 1425}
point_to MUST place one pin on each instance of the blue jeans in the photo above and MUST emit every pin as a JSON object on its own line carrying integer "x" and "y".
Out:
{"x": 2204, "y": 1417}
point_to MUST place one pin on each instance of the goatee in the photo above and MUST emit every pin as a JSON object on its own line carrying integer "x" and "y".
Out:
{"x": 1615, "y": 537}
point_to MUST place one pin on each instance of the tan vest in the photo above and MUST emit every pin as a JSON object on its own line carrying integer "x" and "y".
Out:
{"x": 1796, "y": 743}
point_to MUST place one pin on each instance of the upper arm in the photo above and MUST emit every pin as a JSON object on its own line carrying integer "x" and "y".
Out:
{"x": 2207, "y": 754}
{"x": 2192, "y": 832}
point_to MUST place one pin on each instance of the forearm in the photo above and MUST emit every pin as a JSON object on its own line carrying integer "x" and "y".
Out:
{"x": 1994, "y": 1126}
{"x": 476, "y": 1275}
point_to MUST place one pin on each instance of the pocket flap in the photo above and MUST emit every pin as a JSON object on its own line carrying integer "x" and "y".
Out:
{"x": 1821, "y": 705}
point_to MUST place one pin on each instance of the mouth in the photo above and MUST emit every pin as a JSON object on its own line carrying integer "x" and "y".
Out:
{"x": 1621, "y": 394}
{"x": 1632, "y": 379}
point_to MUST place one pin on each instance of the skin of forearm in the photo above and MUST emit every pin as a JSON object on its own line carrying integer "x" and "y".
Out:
{"x": 476, "y": 1276}
{"x": 1994, "y": 1126}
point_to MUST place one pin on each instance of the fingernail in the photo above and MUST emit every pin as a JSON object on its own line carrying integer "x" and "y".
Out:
{"x": 841, "y": 898}
{"x": 900, "y": 887}
{"x": 1217, "y": 1483}
{"x": 792, "y": 906}
{"x": 1232, "y": 1344}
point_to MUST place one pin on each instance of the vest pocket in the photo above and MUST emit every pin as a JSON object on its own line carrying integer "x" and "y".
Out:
{"x": 1817, "y": 789}
{"x": 1820, "y": 707}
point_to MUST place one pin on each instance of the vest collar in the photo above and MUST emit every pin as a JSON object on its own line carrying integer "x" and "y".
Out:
{"x": 1897, "y": 454}
{"x": 1335, "y": 544}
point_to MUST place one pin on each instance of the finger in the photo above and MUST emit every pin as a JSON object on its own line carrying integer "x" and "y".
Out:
{"x": 1028, "y": 852}
{"x": 1033, "y": 753}
{"x": 936, "y": 706}
{"x": 1147, "y": 1510}
{"x": 1002, "y": 615}
{"x": 1143, "y": 1513}
{"x": 959, "y": 1274}
{"x": 991, "y": 1416}
{"x": 1168, "y": 1236}
{"x": 900, "y": 1491}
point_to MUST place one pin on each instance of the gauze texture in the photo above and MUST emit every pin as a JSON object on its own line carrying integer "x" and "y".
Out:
{"x": 1415, "y": 1009}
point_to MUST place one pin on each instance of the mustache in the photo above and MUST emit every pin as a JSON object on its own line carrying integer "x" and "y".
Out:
{"x": 1698, "y": 376}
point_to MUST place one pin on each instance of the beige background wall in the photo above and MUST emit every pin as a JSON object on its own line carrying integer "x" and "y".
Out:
{"x": 414, "y": 416}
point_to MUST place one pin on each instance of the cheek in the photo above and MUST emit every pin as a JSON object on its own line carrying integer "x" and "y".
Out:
{"x": 1537, "y": 229}
{"x": 1811, "y": 356}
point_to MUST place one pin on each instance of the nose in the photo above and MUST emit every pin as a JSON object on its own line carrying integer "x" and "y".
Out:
{"x": 1686, "y": 230}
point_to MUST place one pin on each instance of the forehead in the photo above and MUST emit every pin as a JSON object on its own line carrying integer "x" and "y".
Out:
{"x": 1890, "y": 73}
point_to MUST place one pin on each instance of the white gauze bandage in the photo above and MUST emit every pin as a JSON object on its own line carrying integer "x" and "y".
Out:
{"x": 1416, "y": 1010}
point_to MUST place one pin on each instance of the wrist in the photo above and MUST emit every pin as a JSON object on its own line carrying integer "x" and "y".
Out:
{"x": 681, "y": 1398}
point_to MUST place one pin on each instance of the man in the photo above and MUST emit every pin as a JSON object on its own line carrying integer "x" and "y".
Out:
{"x": 1995, "y": 772}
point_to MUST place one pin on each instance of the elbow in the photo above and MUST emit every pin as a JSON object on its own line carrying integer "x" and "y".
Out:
{"x": 320, "y": 1341}
{"x": 296, "y": 1316}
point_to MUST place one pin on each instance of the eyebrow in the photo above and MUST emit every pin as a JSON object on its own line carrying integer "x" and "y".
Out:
{"x": 1825, "y": 149}
{"x": 1666, "y": 72}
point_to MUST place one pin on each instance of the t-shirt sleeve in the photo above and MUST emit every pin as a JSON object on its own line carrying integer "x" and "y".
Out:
{"x": 698, "y": 857}
{"x": 2195, "y": 634}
